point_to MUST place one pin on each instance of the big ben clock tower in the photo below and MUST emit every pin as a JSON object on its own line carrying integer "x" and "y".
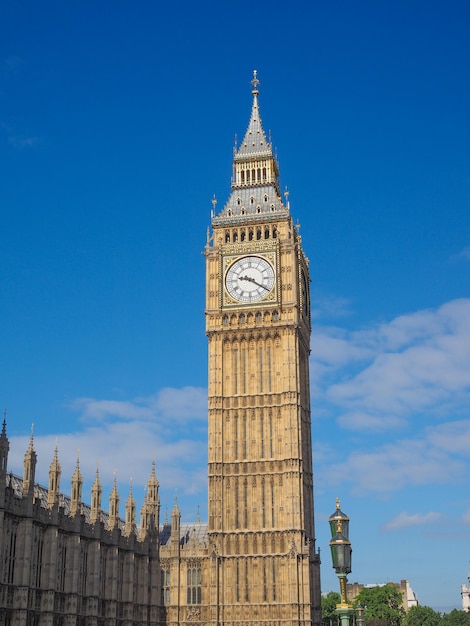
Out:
{"x": 264, "y": 565}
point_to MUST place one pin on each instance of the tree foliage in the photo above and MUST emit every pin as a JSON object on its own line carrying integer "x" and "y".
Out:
{"x": 456, "y": 618}
{"x": 382, "y": 605}
{"x": 328, "y": 607}
{"x": 422, "y": 616}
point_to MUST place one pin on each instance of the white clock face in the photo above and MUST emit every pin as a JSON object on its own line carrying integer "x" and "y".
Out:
{"x": 249, "y": 279}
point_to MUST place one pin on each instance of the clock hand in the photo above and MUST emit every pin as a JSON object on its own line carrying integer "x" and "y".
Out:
{"x": 252, "y": 280}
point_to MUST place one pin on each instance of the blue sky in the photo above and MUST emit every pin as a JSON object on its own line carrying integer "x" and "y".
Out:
{"x": 117, "y": 123}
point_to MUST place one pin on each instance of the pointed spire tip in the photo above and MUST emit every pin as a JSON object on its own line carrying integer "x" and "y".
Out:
{"x": 255, "y": 83}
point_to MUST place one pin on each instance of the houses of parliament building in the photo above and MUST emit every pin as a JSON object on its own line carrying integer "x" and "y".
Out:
{"x": 254, "y": 562}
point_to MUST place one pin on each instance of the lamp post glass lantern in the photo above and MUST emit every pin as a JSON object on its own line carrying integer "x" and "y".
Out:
{"x": 341, "y": 553}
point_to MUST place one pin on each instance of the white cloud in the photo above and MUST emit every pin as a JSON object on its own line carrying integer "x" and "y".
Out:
{"x": 126, "y": 436}
{"x": 453, "y": 437}
{"x": 466, "y": 517}
{"x": 361, "y": 421}
{"x": 390, "y": 467}
{"x": 463, "y": 255}
{"x": 417, "y": 363}
{"x": 405, "y": 520}
{"x": 330, "y": 306}
{"x": 180, "y": 405}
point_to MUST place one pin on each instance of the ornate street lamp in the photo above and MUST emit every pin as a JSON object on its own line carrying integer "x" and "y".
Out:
{"x": 359, "y": 615}
{"x": 341, "y": 552}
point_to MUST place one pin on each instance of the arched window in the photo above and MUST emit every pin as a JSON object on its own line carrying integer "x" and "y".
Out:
{"x": 242, "y": 234}
{"x": 227, "y": 237}
{"x": 258, "y": 234}
{"x": 274, "y": 232}
{"x": 266, "y": 233}
{"x": 194, "y": 584}
{"x": 165, "y": 574}
{"x": 243, "y": 176}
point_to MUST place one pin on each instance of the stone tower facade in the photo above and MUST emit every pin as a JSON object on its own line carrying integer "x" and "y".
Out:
{"x": 261, "y": 515}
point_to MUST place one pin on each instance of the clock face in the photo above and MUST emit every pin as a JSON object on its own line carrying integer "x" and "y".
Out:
{"x": 249, "y": 279}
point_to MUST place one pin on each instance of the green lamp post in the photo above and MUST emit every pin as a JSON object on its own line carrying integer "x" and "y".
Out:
{"x": 341, "y": 552}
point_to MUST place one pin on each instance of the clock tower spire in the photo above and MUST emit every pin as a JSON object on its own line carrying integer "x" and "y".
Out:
{"x": 261, "y": 515}
{"x": 255, "y": 179}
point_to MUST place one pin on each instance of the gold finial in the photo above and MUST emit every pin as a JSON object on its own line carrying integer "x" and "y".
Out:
{"x": 339, "y": 526}
{"x": 255, "y": 83}
{"x": 337, "y": 504}
{"x": 214, "y": 202}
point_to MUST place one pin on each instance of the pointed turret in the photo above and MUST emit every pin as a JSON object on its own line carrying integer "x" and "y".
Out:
{"x": 114, "y": 506}
{"x": 96, "y": 492}
{"x": 152, "y": 487}
{"x": 255, "y": 182}
{"x": 29, "y": 467}
{"x": 4, "y": 446}
{"x": 55, "y": 471}
{"x": 77, "y": 485}
{"x": 175, "y": 527}
{"x": 130, "y": 513}
{"x": 150, "y": 512}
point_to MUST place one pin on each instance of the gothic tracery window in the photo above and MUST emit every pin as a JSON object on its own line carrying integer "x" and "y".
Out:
{"x": 165, "y": 572}
{"x": 194, "y": 583}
